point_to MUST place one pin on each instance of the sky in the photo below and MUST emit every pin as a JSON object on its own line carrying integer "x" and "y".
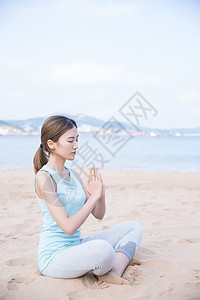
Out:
{"x": 91, "y": 56}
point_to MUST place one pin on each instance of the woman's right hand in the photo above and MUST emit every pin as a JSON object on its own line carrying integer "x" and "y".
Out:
{"x": 94, "y": 184}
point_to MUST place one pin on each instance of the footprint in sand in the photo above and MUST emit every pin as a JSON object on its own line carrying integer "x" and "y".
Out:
{"x": 189, "y": 241}
{"x": 12, "y": 285}
{"x": 19, "y": 262}
{"x": 14, "y": 282}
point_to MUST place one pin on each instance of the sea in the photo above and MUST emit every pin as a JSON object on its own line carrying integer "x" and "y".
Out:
{"x": 159, "y": 153}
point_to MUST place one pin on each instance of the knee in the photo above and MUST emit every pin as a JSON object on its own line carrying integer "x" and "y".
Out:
{"x": 105, "y": 250}
{"x": 105, "y": 255}
{"x": 134, "y": 225}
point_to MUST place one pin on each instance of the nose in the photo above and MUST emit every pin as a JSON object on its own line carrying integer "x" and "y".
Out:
{"x": 75, "y": 146}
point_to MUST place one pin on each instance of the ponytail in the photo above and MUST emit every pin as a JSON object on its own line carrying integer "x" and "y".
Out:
{"x": 40, "y": 159}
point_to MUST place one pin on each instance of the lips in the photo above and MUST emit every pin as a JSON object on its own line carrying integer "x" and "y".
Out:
{"x": 74, "y": 152}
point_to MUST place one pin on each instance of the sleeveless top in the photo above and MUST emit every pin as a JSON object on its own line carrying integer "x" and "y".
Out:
{"x": 52, "y": 238}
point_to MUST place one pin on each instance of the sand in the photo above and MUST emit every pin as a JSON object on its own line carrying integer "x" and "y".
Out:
{"x": 166, "y": 265}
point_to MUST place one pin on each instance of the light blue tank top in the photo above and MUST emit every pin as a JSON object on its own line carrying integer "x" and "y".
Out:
{"x": 52, "y": 238}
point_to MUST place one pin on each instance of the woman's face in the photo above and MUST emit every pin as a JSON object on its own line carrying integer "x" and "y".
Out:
{"x": 67, "y": 144}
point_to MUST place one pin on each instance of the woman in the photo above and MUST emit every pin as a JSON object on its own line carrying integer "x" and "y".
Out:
{"x": 66, "y": 203}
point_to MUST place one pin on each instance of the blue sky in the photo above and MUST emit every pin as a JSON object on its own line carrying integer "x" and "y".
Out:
{"x": 90, "y": 57}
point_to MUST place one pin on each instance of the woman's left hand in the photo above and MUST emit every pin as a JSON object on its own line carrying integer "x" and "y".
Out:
{"x": 103, "y": 187}
{"x": 93, "y": 172}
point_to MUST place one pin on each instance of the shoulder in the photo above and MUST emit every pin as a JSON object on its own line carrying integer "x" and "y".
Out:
{"x": 43, "y": 175}
{"x": 44, "y": 180}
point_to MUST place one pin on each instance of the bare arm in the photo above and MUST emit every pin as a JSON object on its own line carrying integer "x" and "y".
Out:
{"x": 69, "y": 224}
{"x": 100, "y": 206}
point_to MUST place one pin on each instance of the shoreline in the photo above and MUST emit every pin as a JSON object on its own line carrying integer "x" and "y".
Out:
{"x": 125, "y": 170}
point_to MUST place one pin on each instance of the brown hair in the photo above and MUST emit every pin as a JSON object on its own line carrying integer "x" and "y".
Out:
{"x": 52, "y": 129}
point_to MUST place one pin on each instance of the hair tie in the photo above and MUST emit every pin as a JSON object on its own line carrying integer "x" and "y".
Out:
{"x": 41, "y": 146}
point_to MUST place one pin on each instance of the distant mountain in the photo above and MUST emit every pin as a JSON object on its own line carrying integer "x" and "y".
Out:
{"x": 27, "y": 125}
{"x": 90, "y": 125}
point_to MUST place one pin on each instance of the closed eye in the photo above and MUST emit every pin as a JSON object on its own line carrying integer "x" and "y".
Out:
{"x": 72, "y": 141}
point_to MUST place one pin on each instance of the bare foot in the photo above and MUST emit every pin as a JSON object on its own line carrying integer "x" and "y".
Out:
{"x": 111, "y": 277}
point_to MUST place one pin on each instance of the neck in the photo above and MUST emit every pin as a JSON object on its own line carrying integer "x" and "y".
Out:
{"x": 57, "y": 164}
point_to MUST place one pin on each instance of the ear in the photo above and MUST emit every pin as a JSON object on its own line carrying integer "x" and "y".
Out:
{"x": 51, "y": 144}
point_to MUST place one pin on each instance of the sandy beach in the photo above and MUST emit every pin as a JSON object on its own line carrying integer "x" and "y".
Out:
{"x": 166, "y": 265}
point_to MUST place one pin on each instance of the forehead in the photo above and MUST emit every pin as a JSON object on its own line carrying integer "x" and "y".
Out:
{"x": 71, "y": 133}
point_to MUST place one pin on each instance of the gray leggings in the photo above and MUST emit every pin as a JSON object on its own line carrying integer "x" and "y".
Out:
{"x": 96, "y": 252}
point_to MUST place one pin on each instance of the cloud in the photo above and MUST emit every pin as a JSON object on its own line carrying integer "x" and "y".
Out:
{"x": 190, "y": 96}
{"x": 91, "y": 73}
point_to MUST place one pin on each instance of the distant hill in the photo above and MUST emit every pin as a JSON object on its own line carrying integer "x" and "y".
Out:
{"x": 90, "y": 125}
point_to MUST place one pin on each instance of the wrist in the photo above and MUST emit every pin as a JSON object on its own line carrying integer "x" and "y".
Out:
{"x": 94, "y": 197}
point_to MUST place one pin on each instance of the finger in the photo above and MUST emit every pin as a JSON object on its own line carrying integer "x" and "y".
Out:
{"x": 91, "y": 174}
{"x": 100, "y": 177}
{"x": 94, "y": 172}
{"x": 97, "y": 175}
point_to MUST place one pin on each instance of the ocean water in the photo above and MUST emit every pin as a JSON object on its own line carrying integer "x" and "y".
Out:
{"x": 136, "y": 153}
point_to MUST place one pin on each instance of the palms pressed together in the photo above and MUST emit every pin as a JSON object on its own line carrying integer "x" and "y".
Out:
{"x": 95, "y": 183}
